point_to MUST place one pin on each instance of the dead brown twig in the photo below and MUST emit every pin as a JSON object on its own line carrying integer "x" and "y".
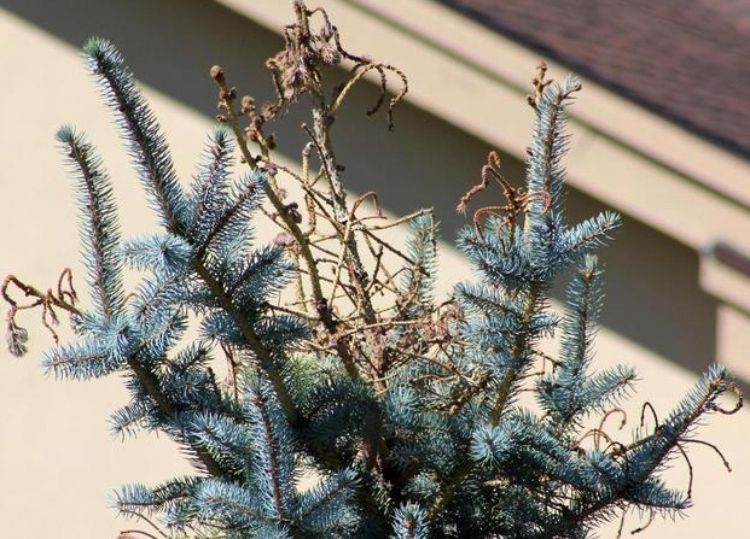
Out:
{"x": 516, "y": 198}
{"x": 64, "y": 297}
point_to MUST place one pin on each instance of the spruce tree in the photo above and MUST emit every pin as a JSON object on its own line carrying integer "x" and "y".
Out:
{"x": 342, "y": 361}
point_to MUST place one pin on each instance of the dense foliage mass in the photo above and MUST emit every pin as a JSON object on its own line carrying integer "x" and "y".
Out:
{"x": 404, "y": 408}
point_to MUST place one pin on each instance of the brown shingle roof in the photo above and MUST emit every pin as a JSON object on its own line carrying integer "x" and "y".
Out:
{"x": 688, "y": 60}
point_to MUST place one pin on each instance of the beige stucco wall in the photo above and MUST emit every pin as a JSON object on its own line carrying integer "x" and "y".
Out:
{"x": 57, "y": 462}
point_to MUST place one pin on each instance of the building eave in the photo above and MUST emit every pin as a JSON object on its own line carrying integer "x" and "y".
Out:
{"x": 674, "y": 181}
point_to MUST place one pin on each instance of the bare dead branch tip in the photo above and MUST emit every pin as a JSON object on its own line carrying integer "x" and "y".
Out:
{"x": 517, "y": 200}
{"x": 64, "y": 297}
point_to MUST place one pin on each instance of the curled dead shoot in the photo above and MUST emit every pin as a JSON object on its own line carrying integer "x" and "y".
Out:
{"x": 517, "y": 199}
{"x": 64, "y": 297}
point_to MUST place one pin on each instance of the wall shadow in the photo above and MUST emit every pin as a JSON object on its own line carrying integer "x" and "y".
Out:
{"x": 653, "y": 296}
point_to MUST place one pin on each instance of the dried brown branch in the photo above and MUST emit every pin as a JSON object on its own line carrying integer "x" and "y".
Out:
{"x": 539, "y": 83}
{"x": 63, "y": 298}
{"x": 517, "y": 200}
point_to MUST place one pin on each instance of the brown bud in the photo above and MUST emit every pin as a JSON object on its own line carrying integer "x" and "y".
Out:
{"x": 217, "y": 73}
{"x": 269, "y": 110}
{"x": 292, "y": 210}
{"x": 247, "y": 104}
{"x": 270, "y": 168}
{"x": 284, "y": 239}
{"x": 330, "y": 55}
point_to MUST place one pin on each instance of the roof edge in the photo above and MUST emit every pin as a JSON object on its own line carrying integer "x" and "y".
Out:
{"x": 613, "y": 115}
{"x": 538, "y": 46}
{"x": 456, "y": 75}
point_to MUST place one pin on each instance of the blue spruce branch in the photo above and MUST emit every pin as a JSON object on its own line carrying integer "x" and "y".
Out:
{"x": 151, "y": 157}
{"x": 98, "y": 222}
{"x": 147, "y": 145}
{"x": 405, "y": 408}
